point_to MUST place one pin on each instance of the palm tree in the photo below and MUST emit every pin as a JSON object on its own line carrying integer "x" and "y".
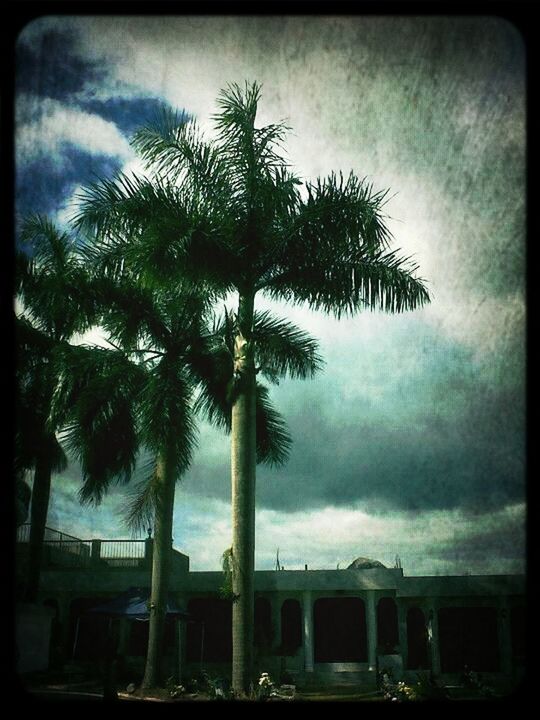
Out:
{"x": 230, "y": 214}
{"x": 49, "y": 284}
{"x": 138, "y": 396}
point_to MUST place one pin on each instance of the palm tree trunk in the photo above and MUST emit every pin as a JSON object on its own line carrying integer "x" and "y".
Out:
{"x": 165, "y": 480}
{"x": 38, "y": 517}
{"x": 243, "y": 464}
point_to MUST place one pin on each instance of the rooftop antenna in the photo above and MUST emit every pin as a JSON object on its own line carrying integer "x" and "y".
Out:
{"x": 277, "y": 560}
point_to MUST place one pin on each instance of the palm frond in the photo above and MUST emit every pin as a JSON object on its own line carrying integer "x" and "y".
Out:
{"x": 273, "y": 439}
{"x": 382, "y": 281}
{"x": 214, "y": 370}
{"x": 281, "y": 348}
{"x": 30, "y": 339}
{"x": 55, "y": 453}
{"x": 47, "y": 245}
{"x": 174, "y": 149}
{"x": 139, "y": 513}
{"x": 131, "y": 314}
{"x": 159, "y": 142}
{"x": 95, "y": 402}
{"x": 154, "y": 232}
{"x": 122, "y": 204}
{"x": 166, "y": 409}
{"x": 52, "y": 282}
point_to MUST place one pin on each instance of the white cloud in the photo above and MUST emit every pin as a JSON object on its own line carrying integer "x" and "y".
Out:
{"x": 58, "y": 125}
{"x": 322, "y": 539}
{"x": 428, "y": 543}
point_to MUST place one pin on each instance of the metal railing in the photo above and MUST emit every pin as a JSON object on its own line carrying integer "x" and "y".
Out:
{"x": 122, "y": 553}
{"x": 67, "y": 553}
{"x": 23, "y": 534}
{"x": 63, "y": 550}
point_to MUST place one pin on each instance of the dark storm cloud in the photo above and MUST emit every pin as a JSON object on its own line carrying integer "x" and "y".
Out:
{"x": 504, "y": 540}
{"x": 419, "y": 415}
{"x": 447, "y": 432}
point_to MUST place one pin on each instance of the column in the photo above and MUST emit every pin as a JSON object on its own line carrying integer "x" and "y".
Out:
{"x": 371, "y": 621}
{"x": 433, "y": 636}
{"x": 95, "y": 553}
{"x": 308, "y": 631}
{"x": 402, "y": 630}
{"x": 275, "y": 605}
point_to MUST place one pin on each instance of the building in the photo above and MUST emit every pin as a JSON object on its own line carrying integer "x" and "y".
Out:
{"x": 310, "y": 625}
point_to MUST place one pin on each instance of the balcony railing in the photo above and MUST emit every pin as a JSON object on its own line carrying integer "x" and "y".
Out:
{"x": 123, "y": 553}
{"x": 66, "y": 551}
{"x": 23, "y": 534}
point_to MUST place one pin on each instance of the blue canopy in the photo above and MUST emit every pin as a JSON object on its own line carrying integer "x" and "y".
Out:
{"x": 133, "y": 604}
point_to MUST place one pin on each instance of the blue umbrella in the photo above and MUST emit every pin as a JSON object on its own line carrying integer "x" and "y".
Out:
{"x": 134, "y": 604}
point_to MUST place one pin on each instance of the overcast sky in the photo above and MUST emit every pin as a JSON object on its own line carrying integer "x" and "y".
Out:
{"x": 411, "y": 441}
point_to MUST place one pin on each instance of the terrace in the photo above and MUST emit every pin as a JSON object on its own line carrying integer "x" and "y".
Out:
{"x": 61, "y": 550}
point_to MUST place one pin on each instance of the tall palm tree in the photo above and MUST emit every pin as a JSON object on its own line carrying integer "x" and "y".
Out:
{"x": 229, "y": 213}
{"x": 139, "y": 395}
{"x": 49, "y": 285}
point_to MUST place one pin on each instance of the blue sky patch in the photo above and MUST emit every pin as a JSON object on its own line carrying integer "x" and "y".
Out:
{"x": 43, "y": 185}
{"x": 51, "y": 68}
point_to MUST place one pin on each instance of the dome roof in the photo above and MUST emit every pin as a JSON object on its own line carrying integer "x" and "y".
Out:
{"x": 362, "y": 563}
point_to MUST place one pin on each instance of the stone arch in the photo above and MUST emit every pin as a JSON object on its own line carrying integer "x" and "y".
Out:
{"x": 262, "y": 630}
{"x": 417, "y": 640}
{"x": 209, "y": 632}
{"x": 468, "y": 637}
{"x": 291, "y": 626}
{"x": 340, "y": 630}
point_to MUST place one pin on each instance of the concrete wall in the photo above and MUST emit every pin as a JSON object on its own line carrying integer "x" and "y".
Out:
{"x": 32, "y": 637}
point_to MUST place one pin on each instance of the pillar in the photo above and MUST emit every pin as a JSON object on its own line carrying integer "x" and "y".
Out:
{"x": 371, "y": 621}
{"x": 95, "y": 553}
{"x": 308, "y": 631}
{"x": 433, "y": 636}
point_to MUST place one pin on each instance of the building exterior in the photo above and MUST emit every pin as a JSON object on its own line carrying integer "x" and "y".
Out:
{"x": 318, "y": 626}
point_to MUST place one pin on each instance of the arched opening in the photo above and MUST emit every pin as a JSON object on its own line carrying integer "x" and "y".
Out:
{"x": 137, "y": 644}
{"x": 209, "y": 631}
{"x": 262, "y": 631}
{"x": 468, "y": 637}
{"x": 340, "y": 630}
{"x": 88, "y": 632}
{"x": 387, "y": 626}
{"x": 417, "y": 640}
{"x": 291, "y": 627}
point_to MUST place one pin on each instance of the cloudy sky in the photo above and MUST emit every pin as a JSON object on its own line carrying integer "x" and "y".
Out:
{"x": 411, "y": 441}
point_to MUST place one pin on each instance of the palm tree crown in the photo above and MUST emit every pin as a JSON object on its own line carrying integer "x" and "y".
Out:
{"x": 50, "y": 283}
{"x": 230, "y": 212}
{"x": 228, "y": 215}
